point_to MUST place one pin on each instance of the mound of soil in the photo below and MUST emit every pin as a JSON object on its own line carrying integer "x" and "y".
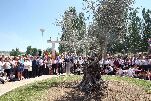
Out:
{"x": 122, "y": 91}
{"x": 116, "y": 91}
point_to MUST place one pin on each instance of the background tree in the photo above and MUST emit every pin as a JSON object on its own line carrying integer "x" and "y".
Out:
{"x": 136, "y": 38}
{"x": 49, "y": 49}
{"x": 134, "y": 32}
{"x": 34, "y": 51}
{"x": 110, "y": 19}
{"x": 31, "y": 51}
{"x": 146, "y": 28}
{"x": 15, "y": 52}
{"x": 110, "y": 22}
{"x": 73, "y": 29}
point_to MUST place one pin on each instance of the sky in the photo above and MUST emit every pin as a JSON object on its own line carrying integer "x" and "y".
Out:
{"x": 21, "y": 21}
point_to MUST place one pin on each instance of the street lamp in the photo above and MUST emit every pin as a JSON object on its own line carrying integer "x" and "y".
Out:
{"x": 42, "y": 31}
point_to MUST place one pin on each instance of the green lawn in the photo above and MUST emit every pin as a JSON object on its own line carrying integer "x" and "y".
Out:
{"x": 146, "y": 85}
{"x": 33, "y": 91}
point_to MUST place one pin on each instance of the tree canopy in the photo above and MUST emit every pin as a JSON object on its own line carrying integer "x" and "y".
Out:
{"x": 115, "y": 27}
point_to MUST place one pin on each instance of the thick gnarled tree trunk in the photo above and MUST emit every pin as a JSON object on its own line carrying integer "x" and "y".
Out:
{"x": 92, "y": 84}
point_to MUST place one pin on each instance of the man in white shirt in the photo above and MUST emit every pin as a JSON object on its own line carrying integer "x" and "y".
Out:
{"x": 101, "y": 63}
{"x": 30, "y": 67}
{"x": 131, "y": 72}
{"x": 41, "y": 68}
{"x": 140, "y": 62}
{"x": 137, "y": 62}
{"x": 106, "y": 62}
{"x": 81, "y": 60}
{"x": 26, "y": 67}
{"x": 7, "y": 68}
{"x": 111, "y": 62}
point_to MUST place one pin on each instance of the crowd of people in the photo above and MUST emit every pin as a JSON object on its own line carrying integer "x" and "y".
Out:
{"x": 26, "y": 66}
{"x": 137, "y": 66}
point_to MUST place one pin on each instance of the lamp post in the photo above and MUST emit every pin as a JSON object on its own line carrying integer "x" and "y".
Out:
{"x": 42, "y": 32}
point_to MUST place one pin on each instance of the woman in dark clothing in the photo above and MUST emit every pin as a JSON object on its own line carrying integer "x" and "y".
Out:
{"x": 54, "y": 66}
{"x": 20, "y": 69}
{"x": 34, "y": 67}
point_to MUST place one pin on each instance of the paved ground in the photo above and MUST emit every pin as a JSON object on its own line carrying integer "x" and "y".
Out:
{"x": 8, "y": 86}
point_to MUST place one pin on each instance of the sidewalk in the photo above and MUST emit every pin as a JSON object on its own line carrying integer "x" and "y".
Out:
{"x": 8, "y": 86}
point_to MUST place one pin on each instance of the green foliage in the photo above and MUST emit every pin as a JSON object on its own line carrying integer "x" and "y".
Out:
{"x": 15, "y": 52}
{"x": 109, "y": 23}
{"x": 134, "y": 32}
{"x": 73, "y": 30}
{"x": 31, "y": 51}
{"x": 138, "y": 33}
{"x": 115, "y": 28}
{"x": 146, "y": 28}
{"x": 142, "y": 83}
{"x": 49, "y": 49}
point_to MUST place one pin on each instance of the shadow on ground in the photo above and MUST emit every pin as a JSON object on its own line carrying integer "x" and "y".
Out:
{"x": 73, "y": 95}
{"x": 70, "y": 92}
{"x": 116, "y": 91}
